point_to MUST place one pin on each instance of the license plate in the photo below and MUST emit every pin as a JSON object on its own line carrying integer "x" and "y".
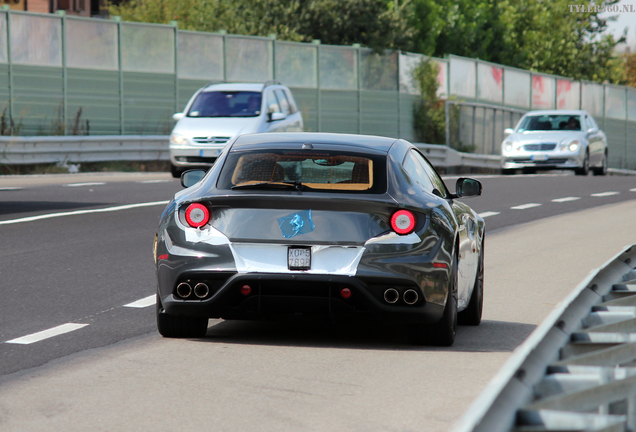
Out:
{"x": 539, "y": 157}
{"x": 209, "y": 153}
{"x": 299, "y": 258}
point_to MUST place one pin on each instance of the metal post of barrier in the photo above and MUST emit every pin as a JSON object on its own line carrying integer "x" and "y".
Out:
{"x": 121, "y": 75}
{"x": 64, "y": 73}
{"x": 358, "y": 58}
{"x": 7, "y": 8}
{"x": 176, "y": 64}
{"x": 317, "y": 42}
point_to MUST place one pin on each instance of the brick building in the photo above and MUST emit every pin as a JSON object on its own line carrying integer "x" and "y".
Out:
{"x": 85, "y": 8}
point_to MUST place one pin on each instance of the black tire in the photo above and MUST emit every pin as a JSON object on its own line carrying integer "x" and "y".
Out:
{"x": 443, "y": 332}
{"x": 602, "y": 170}
{"x": 508, "y": 171}
{"x": 176, "y": 172}
{"x": 585, "y": 169}
{"x": 472, "y": 314}
{"x": 178, "y": 326}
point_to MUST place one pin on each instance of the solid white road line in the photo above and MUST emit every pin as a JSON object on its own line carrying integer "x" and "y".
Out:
{"x": 487, "y": 214}
{"x": 82, "y": 212}
{"x": 604, "y": 194}
{"x": 525, "y": 206}
{"x": 85, "y": 184}
{"x": 144, "y": 302}
{"x": 10, "y": 188}
{"x": 55, "y": 331}
{"x": 633, "y": 190}
{"x": 566, "y": 199}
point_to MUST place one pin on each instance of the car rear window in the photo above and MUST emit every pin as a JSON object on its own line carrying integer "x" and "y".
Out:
{"x": 320, "y": 171}
{"x": 226, "y": 104}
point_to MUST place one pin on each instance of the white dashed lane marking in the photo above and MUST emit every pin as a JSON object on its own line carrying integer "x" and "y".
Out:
{"x": 144, "y": 302}
{"x": 566, "y": 199}
{"x": 85, "y": 184}
{"x": 488, "y": 214}
{"x": 46, "y": 334}
{"x": 604, "y": 194}
{"x": 154, "y": 181}
{"x": 525, "y": 206}
{"x": 81, "y": 212}
{"x": 10, "y": 188}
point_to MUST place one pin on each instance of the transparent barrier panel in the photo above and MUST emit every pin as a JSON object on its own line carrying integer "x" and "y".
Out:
{"x": 516, "y": 88}
{"x": 631, "y": 104}
{"x": 378, "y": 72}
{"x": 615, "y": 103}
{"x": 91, "y": 44}
{"x": 3, "y": 38}
{"x": 200, "y": 56}
{"x": 407, "y": 64}
{"x": 248, "y": 59}
{"x": 462, "y": 77}
{"x": 568, "y": 94}
{"x": 490, "y": 79}
{"x": 442, "y": 79}
{"x": 338, "y": 68}
{"x": 36, "y": 40}
{"x": 543, "y": 92}
{"x": 146, "y": 48}
{"x": 296, "y": 64}
{"x": 592, "y": 99}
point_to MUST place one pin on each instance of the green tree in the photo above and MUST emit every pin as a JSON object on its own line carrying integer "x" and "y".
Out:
{"x": 429, "y": 116}
{"x": 372, "y": 23}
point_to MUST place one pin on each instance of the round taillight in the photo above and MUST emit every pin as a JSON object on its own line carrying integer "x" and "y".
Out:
{"x": 403, "y": 222}
{"x": 197, "y": 215}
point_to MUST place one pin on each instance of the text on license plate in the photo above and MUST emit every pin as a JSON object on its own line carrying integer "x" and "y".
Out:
{"x": 299, "y": 258}
{"x": 539, "y": 157}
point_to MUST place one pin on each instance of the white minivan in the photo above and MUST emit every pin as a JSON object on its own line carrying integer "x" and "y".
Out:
{"x": 219, "y": 112}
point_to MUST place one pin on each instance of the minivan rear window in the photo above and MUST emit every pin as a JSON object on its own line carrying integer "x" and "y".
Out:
{"x": 316, "y": 171}
{"x": 226, "y": 104}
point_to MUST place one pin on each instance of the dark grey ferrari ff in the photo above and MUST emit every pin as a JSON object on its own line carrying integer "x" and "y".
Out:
{"x": 314, "y": 223}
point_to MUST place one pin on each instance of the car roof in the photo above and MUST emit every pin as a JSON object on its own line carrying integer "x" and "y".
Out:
{"x": 557, "y": 112}
{"x": 258, "y": 87}
{"x": 369, "y": 142}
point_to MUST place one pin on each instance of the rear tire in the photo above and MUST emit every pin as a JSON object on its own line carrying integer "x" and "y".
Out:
{"x": 472, "y": 314}
{"x": 508, "y": 171}
{"x": 178, "y": 326}
{"x": 443, "y": 332}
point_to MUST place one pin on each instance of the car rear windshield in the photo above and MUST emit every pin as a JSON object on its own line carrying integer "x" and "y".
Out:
{"x": 226, "y": 104}
{"x": 561, "y": 122}
{"x": 320, "y": 171}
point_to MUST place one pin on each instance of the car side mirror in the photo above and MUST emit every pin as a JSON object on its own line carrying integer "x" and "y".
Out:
{"x": 508, "y": 131}
{"x": 191, "y": 177}
{"x": 178, "y": 116}
{"x": 467, "y": 187}
{"x": 592, "y": 130}
{"x": 276, "y": 116}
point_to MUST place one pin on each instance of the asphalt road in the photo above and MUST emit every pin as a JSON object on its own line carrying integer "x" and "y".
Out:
{"x": 94, "y": 269}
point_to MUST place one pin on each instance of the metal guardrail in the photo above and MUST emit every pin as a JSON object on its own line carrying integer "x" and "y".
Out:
{"x": 78, "y": 149}
{"x": 577, "y": 370}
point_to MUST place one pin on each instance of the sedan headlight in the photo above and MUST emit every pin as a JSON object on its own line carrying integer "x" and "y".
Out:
{"x": 176, "y": 138}
{"x": 570, "y": 146}
{"x": 507, "y": 145}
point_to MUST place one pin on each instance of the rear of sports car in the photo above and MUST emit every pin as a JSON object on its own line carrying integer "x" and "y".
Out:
{"x": 286, "y": 231}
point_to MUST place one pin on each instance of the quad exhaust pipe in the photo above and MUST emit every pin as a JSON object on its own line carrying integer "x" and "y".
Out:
{"x": 391, "y": 296}
{"x": 411, "y": 297}
{"x": 201, "y": 290}
{"x": 184, "y": 290}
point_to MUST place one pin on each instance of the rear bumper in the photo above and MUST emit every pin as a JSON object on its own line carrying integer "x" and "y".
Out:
{"x": 275, "y": 295}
